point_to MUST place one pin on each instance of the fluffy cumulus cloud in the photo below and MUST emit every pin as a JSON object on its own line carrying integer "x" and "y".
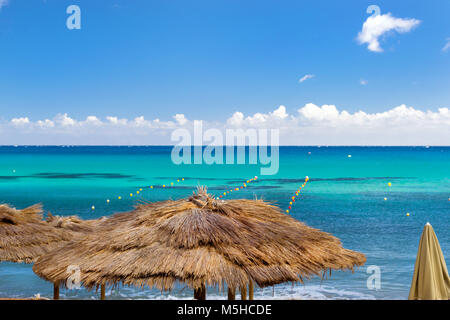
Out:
{"x": 377, "y": 26}
{"x": 310, "y": 124}
{"x": 327, "y": 125}
{"x": 20, "y": 121}
{"x": 258, "y": 119}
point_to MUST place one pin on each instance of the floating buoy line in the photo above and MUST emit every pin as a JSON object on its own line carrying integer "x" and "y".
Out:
{"x": 140, "y": 190}
{"x": 297, "y": 193}
{"x": 152, "y": 187}
{"x": 243, "y": 186}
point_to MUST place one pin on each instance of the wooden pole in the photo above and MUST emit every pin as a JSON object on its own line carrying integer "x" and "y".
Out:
{"x": 231, "y": 294}
{"x": 56, "y": 291}
{"x": 244, "y": 293}
{"x": 197, "y": 294}
{"x": 102, "y": 292}
{"x": 200, "y": 293}
{"x": 203, "y": 293}
{"x": 250, "y": 290}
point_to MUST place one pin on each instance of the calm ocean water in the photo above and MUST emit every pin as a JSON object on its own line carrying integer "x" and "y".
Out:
{"x": 345, "y": 197}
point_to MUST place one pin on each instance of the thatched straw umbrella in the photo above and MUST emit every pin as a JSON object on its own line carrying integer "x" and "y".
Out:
{"x": 24, "y": 236}
{"x": 200, "y": 241}
{"x": 73, "y": 223}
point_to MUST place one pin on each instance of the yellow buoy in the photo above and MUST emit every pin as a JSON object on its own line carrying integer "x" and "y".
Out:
{"x": 178, "y": 180}
{"x": 290, "y": 202}
{"x": 137, "y": 192}
{"x": 389, "y": 184}
{"x": 107, "y": 200}
{"x": 131, "y": 194}
{"x": 287, "y": 211}
{"x": 171, "y": 183}
{"x": 140, "y": 189}
{"x": 93, "y": 207}
{"x": 224, "y": 193}
{"x": 182, "y": 179}
{"x": 407, "y": 214}
{"x": 385, "y": 199}
{"x": 164, "y": 185}
{"x": 151, "y": 187}
{"x": 119, "y": 197}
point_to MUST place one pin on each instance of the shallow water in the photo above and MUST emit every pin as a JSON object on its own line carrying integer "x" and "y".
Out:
{"x": 345, "y": 197}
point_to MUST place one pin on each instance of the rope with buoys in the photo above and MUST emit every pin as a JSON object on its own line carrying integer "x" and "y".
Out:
{"x": 152, "y": 187}
{"x": 140, "y": 190}
{"x": 297, "y": 193}
{"x": 244, "y": 185}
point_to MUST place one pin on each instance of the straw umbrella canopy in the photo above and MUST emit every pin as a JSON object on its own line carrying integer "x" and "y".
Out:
{"x": 73, "y": 223}
{"x": 430, "y": 280}
{"x": 200, "y": 241}
{"x": 24, "y": 236}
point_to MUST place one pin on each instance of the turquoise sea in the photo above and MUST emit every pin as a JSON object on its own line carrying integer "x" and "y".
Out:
{"x": 345, "y": 196}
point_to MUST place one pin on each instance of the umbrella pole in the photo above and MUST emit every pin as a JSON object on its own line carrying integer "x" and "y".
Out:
{"x": 231, "y": 294}
{"x": 244, "y": 293}
{"x": 203, "y": 293}
{"x": 55, "y": 291}
{"x": 197, "y": 294}
{"x": 102, "y": 292}
{"x": 250, "y": 290}
{"x": 200, "y": 293}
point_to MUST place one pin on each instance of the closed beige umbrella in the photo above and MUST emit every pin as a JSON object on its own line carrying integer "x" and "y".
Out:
{"x": 430, "y": 280}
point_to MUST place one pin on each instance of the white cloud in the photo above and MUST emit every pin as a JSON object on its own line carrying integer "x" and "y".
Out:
{"x": 378, "y": 25}
{"x": 20, "y": 121}
{"x": 236, "y": 119}
{"x": 180, "y": 119}
{"x": 259, "y": 119}
{"x": 363, "y": 82}
{"x": 117, "y": 121}
{"x": 446, "y": 46}
{"x": 3, "y": 3}
{"x": 45, "y": 123}
{"x": 92, "y": 120}
{"x": 306, "y": 77}
{"x": 280, "y": 112}
{"x": 327, "y": 125}
{"x": 141, "y": 122}
{"x": 64, "y": 120}
{"x": 310, "y": 124}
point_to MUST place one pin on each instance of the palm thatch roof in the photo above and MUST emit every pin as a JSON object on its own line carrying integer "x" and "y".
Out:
{"x": 24, "y": 236}
{"x": 199, "y": 240}
{"x": 73, "y": 223}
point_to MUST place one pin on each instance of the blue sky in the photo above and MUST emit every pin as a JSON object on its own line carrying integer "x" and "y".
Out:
{"x": 210, "y": 59}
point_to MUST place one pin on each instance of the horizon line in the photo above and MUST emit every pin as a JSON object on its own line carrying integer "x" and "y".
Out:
{"x": 169, "y": 145}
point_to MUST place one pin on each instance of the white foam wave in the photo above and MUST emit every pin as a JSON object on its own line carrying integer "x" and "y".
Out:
{"x": 281, "y": 292}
